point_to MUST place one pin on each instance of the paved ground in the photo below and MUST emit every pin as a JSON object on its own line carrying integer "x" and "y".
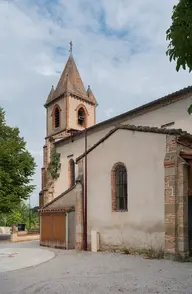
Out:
{"x": 4, "y": 237}
{"x": 99, "y": 273}
{"x": 18, "y": 258}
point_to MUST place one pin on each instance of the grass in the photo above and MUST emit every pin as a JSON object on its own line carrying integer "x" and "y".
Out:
{"x": 150, "y": 253}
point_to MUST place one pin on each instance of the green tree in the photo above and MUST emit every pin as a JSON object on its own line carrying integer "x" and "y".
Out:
{"x": 180, "y": 35}
{"x": 22, "y": 213}
{"x": 17, "y": 166}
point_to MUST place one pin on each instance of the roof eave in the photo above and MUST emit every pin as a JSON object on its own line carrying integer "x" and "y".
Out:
{"x": 136, "y": 111}
{"x": 67, "y": 93}
{"x": 179, "y": 133}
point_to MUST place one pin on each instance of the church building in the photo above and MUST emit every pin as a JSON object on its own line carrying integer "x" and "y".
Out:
{"x": 124, "y": 183}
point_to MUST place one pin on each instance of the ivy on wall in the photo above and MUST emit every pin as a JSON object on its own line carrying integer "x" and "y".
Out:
{"x": 54, "y": 165}
{"x": 190, "y": 109}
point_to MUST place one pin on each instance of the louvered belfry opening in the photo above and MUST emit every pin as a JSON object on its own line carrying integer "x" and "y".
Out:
{"x": 81, "y": 117}
{"x": 57, "y": 117}
{"x": 121, "y": 187}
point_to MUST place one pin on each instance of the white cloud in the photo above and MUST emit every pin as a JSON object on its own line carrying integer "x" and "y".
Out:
{"x": 119, "y": 47}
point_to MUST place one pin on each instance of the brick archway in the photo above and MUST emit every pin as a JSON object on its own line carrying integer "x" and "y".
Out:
{"x": 115, "y": 167}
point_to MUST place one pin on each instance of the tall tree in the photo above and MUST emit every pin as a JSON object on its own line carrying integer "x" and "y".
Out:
{"x": 180, "y": 35}
{"x": 16, "y": 167}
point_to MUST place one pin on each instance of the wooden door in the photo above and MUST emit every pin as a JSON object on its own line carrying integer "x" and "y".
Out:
{"x": 59, "y": 229}
{"x": 46, "y": 226}
{"x": 53, "y": 229}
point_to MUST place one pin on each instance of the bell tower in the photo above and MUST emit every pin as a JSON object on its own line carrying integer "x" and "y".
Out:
{"x": 69, "y": 108}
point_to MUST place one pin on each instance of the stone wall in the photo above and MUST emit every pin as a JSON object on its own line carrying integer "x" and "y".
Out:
{"x": 22, "y": 236}
{"x": 5, "y": 230}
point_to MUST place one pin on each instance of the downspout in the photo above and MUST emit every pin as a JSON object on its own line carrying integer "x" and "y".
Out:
{"x": 85, "y": 195}
{"x": 67, "y": 231}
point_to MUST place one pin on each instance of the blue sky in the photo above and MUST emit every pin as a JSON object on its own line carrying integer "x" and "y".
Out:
{"x": 119, "y": 48}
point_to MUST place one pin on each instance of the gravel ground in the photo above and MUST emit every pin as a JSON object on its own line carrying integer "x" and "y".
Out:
{"x": 99, "y": 273}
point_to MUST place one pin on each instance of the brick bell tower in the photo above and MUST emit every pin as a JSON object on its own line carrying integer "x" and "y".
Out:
{"x": 69, "y": 108}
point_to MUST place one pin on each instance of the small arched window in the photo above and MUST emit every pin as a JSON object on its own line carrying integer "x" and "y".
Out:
{"x": 119, "y": 187}
{"x": 57, "y": 117}
{"x": 71, "y": 173}
{"x": 81, "y": 117}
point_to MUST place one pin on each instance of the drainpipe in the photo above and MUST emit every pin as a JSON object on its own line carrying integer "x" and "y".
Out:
{"x": 67, "y": 230}
{"x": 85, "y": 195}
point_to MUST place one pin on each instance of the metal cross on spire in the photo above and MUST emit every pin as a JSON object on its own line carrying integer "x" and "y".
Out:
{"x": 71, "y": 47}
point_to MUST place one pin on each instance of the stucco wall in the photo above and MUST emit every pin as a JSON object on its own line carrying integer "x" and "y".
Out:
{"x": 68, "y": 199}
{"x": 71, "y": 229}
{"x": 73, "y": 150}
{"x": 73, "y": 105}
{"x": 176, "y": 112}
{"x": 5, "y": 230}
{"x": 143, "y": 224}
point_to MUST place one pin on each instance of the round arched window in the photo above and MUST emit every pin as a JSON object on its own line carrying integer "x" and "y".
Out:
{"x": 119, "y": 187}
{"x": 81, "y": 117}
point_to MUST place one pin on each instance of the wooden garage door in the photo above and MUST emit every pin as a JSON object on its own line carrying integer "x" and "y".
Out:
{"x": 53, "y": 229}
{"x": 46, "y": 227}
{"x": 59, "y": 227}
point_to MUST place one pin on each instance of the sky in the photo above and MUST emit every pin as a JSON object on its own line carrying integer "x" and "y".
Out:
{"x": 119, "y": 47}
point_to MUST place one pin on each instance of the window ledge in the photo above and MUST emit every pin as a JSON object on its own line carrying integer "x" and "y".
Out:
{"x": 123, "y": 210}
{"x": 82, "y": 126}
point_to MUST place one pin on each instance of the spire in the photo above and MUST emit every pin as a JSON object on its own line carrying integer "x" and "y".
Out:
{"x": 50, "y": 96}
{"x": 91, "y": 96}
{"x": 70, "y": 81}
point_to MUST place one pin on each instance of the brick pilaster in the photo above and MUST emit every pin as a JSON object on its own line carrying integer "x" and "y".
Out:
{"x": 176, "y": 200}
{"x": 45, "y": 155}
{"x": 113, "y": 194}
{"x": 182, "y": 207}
{"x": 170, "y": 164}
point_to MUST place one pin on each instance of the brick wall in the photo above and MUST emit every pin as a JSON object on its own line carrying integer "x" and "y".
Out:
{"x": 176, "y": 199}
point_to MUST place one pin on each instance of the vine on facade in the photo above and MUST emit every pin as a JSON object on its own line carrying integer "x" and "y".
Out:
{"x": 190, "y": 109}
{"x": 54, "y": 165}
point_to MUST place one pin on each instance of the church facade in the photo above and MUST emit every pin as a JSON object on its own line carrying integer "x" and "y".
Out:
{"x": 127, "y": 178}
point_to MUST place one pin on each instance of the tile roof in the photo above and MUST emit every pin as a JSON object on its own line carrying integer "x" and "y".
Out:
{"x": 153, "y": 105}
{"x": 91, "y": 95}
{"x": 59, "y": 196}
{"x": 63, "y": 209}
{"x": 145, "y": 129}
{"x": 50, "y": 96}
{"x": 186, "y": 154}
